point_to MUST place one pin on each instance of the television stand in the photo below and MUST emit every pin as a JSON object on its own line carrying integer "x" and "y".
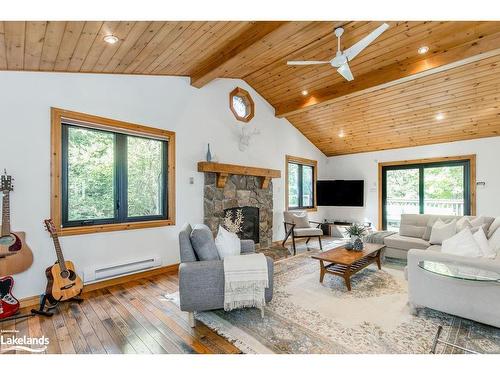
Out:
{"x": 335, "y": 228}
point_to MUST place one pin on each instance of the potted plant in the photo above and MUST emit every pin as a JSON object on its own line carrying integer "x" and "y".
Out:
{"x": 356, "y": 233}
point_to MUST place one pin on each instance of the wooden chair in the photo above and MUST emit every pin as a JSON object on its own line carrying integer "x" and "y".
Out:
{"x": 298, "y": 225}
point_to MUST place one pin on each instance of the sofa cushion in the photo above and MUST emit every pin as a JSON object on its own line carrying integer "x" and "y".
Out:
{"x": 299, "y": 218}
{"x": 442, "y": 231}
{"x": 482, "y": 242}
{"x": 186, "y": 250}
{"x": 493, "y": 227}
{"x": 431, "y": 221}
{"x": 411, "y": 230}
{"x": 494, "y": 242}
{"x": 434, "y": 248}
{"x": 405, "y": 243}
{"x": 462, "y": 244}
{"x": 227, "y": 243}
{"x": 308, "y": 232}
{"x": 203, "y": 243}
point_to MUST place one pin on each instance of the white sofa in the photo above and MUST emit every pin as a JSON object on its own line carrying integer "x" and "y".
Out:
{"x": 475, "y": 300}
{"x": 412, "y": 233}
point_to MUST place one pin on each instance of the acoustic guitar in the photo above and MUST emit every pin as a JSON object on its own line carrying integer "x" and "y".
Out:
{"x": 62, "y": 281}
{"x": 15, "y": 255}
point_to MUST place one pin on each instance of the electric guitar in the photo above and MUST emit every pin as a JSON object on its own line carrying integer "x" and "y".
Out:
{"x": 15, "y": 254}
{"x": 9, "y": 305}
{"x": 62, "y": 281}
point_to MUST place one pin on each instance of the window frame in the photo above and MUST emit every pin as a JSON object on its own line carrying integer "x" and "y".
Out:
{"x": 468, "y": 161}
{"x": 60, "y": 118}
{"x": 238, "y": 91}
{"x": 301, "y": 162}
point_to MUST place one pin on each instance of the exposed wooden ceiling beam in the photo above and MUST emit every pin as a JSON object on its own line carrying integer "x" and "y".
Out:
{"x": 394, "y": 74}
{"x": 218, "y": 63}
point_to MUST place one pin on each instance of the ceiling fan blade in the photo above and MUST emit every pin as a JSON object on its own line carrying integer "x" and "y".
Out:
{"x": 300, "y": 62}
{"x": 355, "y": 49}
{"x": 345, "y": 72}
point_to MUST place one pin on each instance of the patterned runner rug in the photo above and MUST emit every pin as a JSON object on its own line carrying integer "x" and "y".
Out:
{"x": 308, "y": 317}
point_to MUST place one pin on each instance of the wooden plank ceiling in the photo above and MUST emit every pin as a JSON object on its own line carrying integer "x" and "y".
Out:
{"x": 392, "y": 102}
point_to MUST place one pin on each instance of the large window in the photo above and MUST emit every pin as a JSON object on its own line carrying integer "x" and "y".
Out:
{"x": 113, "y": 175}
{"x": 301, "y": 183}
{"x": 433, "y": 186}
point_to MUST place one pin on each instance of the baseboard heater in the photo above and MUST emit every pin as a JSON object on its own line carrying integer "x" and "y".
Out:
{"x": 112, "y": 271}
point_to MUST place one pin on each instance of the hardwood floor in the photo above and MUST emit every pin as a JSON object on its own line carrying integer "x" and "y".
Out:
{"x": 130, "y": 318}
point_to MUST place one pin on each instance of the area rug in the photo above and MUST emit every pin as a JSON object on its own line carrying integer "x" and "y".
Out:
{"x": 308, "y": 317}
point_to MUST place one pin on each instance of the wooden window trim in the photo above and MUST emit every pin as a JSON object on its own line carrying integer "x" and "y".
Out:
{"x": 472, "y": 177}
{"x": 303, "y": 161}
{"x": 238, "y": 91}
{"x": 57, "y": 115}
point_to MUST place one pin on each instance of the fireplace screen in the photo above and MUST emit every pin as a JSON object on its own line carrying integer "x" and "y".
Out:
{"x": 244, "y": 221}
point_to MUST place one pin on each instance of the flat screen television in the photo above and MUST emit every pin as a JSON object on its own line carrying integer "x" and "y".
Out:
{"x": 340, "y": 193}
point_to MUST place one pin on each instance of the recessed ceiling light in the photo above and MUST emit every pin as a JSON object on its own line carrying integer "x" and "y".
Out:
{"x": 341, "y": 134}
{"x": 423, "y": 49}
{"x": 305, "y": 92}
{"x": 440, "y": 116}
{"x": 111, "y": 39}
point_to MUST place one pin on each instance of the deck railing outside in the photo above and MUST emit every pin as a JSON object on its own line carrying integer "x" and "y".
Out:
{"x": 396, "y": 207}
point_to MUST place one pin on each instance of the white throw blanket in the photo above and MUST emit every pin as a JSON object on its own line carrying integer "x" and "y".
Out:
{"x": 246, "y": 279}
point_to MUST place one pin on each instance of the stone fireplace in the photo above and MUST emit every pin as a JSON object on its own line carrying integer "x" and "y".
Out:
{"x": 242, "y": 202}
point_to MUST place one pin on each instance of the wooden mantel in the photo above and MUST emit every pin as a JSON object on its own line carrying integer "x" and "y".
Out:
{"x": 224, "y": 170}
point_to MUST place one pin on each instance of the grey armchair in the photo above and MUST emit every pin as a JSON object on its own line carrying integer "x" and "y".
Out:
{"x": 201, "y": 283}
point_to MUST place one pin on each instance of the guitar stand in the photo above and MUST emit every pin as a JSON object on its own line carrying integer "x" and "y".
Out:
{"x": 41, "y": 311}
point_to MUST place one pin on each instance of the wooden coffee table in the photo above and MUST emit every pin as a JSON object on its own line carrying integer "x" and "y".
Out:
{"x": 345, "y": 263}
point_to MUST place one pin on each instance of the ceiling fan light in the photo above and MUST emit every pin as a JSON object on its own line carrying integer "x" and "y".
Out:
{"x": 110, "y": 39}
{"x": 423, "y": 50}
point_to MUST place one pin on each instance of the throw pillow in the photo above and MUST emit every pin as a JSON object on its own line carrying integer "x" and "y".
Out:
{"x": 494, "y": 226}
{"x": 478, "y": 221}
{"x": 463, "y": 223}
{"x": 494, "y": 242}
{"x": 203, "y": 243}
{"x": 428, "y": 228}
{"x": 442, "y": 231}
{"x": 301, "y": 220}
{"x": 462, "y": 244}
{"x": 227, "y": 243}
{"x": 482, "y": 241}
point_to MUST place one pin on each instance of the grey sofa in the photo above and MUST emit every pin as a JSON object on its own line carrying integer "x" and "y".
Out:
{"x": 412, "y": 234}
{"x": 201, "y": 283}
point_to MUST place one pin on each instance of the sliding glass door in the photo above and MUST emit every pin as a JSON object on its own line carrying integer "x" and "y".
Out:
{"x": 441, "y": 188}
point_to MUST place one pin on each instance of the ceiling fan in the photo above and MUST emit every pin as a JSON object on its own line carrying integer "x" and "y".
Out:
{"x": 342, "y": 58}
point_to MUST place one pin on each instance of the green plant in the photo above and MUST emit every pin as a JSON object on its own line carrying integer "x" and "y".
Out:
{"x": 356, "y": 230}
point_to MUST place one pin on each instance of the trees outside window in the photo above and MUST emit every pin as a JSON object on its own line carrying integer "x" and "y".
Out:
{"x": 301, "y": 183}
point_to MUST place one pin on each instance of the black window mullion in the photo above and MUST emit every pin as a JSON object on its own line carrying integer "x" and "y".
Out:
{"x": 301, "y": 200}
{"x": 121, "y": 177}
{"x": 164, "y": 179}
{"x": 64, "y": 174}
{"x": 421, "y": 189}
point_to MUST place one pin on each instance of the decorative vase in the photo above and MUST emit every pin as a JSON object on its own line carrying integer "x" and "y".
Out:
{"x": 358, "y": 244}
{"x": 209, "y": 154}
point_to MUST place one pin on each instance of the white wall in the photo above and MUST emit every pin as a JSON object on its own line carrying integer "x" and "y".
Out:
{"x": 365, "y": 167}
{"x": 198, "y": 116}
